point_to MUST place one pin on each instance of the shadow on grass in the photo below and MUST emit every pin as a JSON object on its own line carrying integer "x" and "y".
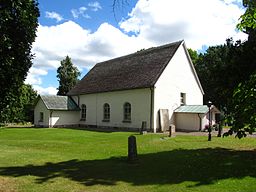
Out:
{"x": 202, "y": 166}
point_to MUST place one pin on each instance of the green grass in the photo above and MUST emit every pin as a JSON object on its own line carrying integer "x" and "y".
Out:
{"x": 76, "y": 160}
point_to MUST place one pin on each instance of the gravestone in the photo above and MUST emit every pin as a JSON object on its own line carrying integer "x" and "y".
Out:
{"x": 143, "y": 128}
{"x": 164, "y": 119}
{"x": 132, "y": 149}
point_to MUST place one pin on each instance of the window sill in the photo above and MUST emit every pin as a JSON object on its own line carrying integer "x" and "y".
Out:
{"x": 127, "y": 121}
{"x": 105, "y": 120}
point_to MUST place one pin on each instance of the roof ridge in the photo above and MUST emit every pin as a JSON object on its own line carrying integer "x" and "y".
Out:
{"x": 142, "y": 51}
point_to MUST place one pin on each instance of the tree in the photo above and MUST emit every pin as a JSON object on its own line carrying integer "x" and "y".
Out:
{"x": 67, "y": 75}
{"x": 248, "y": 19}
{"x": 193, "y": 55}
{"x": 244, "y": 96}
{"x": 18, "y": 24}
{"x": 212, "y": 71}
{"x": 20, "y": 109}
{"x": 244, "y": 113}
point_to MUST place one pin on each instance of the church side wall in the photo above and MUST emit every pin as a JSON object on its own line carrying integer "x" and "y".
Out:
{"x": 140, "y": 100}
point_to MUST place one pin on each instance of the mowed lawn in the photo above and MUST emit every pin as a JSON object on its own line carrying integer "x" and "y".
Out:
{"x": 69, "y": 160}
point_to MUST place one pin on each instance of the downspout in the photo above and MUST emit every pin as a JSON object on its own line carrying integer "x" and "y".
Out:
{"x": 51, "y": 111}
{"x": 200, "y": 122}
{"x": 152, "y": 109}
{"x": 78, "y": 100}
{"x": 96, "y": 110}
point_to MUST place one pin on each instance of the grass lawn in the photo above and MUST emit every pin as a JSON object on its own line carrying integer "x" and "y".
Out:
{"x": 69, "y": 160}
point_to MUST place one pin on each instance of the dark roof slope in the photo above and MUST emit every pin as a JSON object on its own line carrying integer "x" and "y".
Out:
{"x": 137, "y": 70}
{"x": 54, "y": 102}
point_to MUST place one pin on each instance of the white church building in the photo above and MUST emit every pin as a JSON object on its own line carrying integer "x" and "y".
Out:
{"x": 152, "y": 86}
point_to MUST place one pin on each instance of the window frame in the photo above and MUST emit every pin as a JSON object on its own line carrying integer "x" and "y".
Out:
{"x": 127, "y": 112}
{"x": 83, "y": 112}
{"x": 106, "y": 112}
{"x": 41, "y": 117}
{"x": 182, "y": 98}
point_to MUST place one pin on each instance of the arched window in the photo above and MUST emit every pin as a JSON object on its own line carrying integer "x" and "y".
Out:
{"x": 106, "y": 112}
{"x": 127, "y": 112}
{"x": 83, "y": 112}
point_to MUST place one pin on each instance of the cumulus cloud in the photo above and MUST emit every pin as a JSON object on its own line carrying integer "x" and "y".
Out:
{"x": 34, "y": 76}
{"x": 45, "y": 90}
{"x": 150, "y": 23}
{"x": 53, "y": 15}
{"x": 80, "y": 12}
{"x": 95, "y": 6}
{"x": 199, "y": 22}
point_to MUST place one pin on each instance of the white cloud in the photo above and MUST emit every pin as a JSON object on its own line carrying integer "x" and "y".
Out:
{"x": 199, "y": 22}
{"x": 45, "y": 90}
{"x": 34, "y": 74}
{"x": 53, "y": 15}
{"x": 153, "y": 22}
{"x": 95, "y": 6}
{"x": 80, "y": 12}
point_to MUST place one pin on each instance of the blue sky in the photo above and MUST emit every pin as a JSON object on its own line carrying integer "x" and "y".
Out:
{"x": 89, "y": 31}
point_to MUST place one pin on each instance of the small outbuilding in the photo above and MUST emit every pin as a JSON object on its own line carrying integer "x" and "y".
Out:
{"x": 55, "y": 111}
{"x": 194, "y": 117}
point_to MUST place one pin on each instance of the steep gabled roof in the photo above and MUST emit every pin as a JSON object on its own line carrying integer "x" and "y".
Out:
{"x": 137, "y": 70}
{"x": 65, "y": 103}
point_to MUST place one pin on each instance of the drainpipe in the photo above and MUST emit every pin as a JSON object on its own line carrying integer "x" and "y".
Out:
{"x": 200, "y": 122}
{"x": 96, "y": 110}
{"x": 51, "y": 111}
{"x": 152, "y": 109}
{"x": 78, "y": 100}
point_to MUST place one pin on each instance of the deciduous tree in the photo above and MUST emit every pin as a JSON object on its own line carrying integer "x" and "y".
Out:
{"x": 18, "y": 24}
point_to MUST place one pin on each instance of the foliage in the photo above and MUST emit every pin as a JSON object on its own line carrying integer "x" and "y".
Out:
{"x": 67, "y": 75}
{"x": 248, "y": 19}
{"x": 212, "y": 69}
{"x": 193, "y": 55}
{"x": 244, "y": 113}
{"x": 18, "y": 23}
{"x": 20, "y": 109}
{"x": 78, "y": 160}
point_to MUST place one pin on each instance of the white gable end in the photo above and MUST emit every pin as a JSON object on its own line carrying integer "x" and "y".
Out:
{"x": 178, "y": 77}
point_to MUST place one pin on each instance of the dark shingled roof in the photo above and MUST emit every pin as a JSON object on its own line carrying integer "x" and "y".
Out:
{"x": 65, "y": 103}
{"x": 137, "y": 70}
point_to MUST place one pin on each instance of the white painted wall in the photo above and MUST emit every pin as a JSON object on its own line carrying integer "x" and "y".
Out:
{"x": 191, "y": 121}
{"x": 177, "y": 77}
{"x": 187, "y": 121}
{"x": 140, "y": 100}
{"x": 40, "y": 107}
{"x": 64, "y": 118}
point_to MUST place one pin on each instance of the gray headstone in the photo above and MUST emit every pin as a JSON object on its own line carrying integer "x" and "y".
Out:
{"x": 143, "y": 127}
{"x": 164, "y": 119}
{"x": 132, "y": 149}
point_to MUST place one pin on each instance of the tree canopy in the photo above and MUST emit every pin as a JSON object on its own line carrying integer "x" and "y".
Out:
{"x": 227, "y": 73}
{"x": 18, "y": 24}
{"x": 20, "y": 107}
{"x": 67, "y": 75}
